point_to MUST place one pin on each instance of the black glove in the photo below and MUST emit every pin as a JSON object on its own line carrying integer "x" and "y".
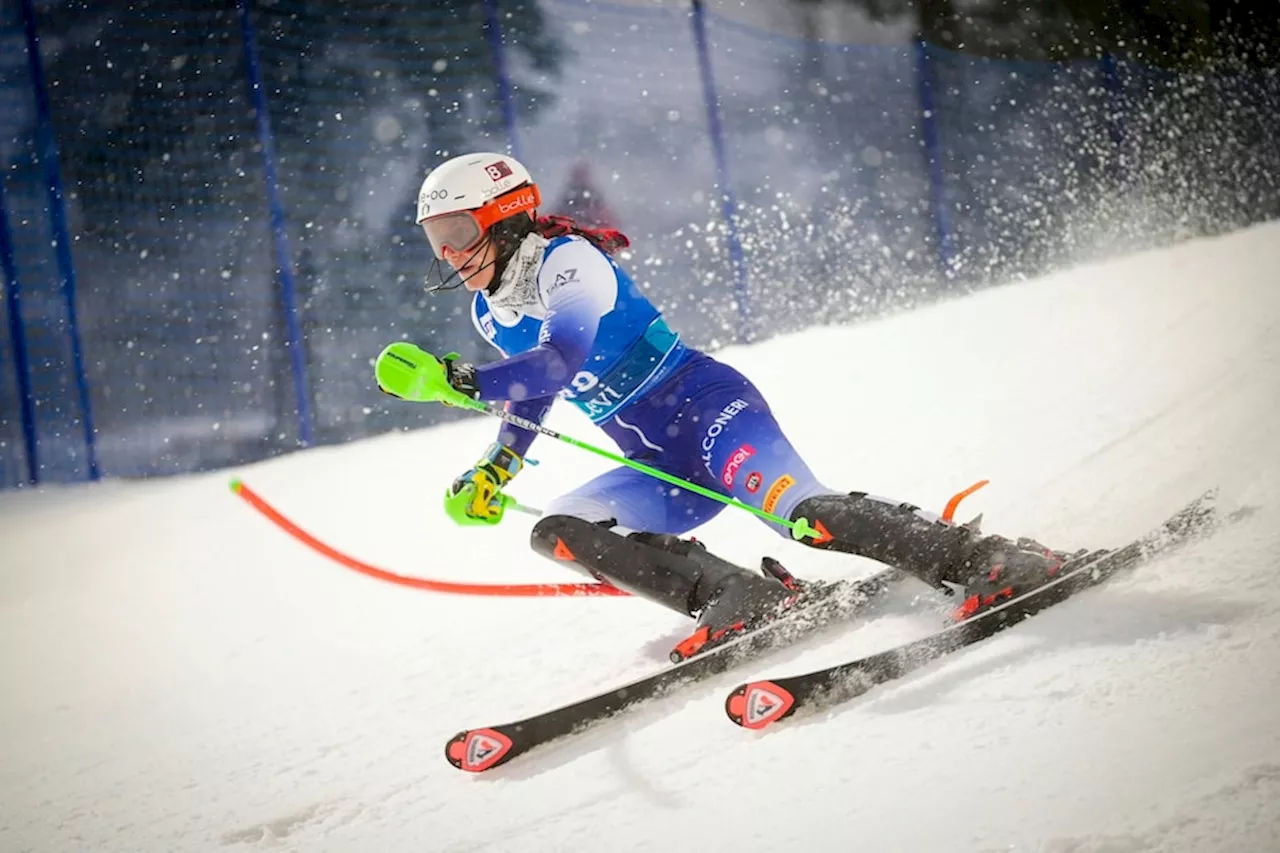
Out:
{"x": 461, "y": 375}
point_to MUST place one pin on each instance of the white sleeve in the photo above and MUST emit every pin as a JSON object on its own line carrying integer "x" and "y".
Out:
{"x": 579, "y": 276}
{"x": 578, "y": 286}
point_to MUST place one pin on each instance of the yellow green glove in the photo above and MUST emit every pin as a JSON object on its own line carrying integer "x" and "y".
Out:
{"x": 476, "y": 497}
{"x": 411, "y": 373}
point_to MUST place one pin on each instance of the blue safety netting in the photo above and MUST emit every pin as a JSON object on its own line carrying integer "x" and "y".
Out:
{"x": 216, "y": 327}
{"x": 826, "y": 156}
{"x": 55, "y": 436}
{"x": 1025, "y": 150}
{"x": 16, "y": 101}
{"x": 625, "y": 143}
{"x": 175, "y": 283}
{"x": 357, "y": 123}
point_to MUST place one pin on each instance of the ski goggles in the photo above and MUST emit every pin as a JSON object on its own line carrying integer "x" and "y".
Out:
{"x": 461, "y": 230}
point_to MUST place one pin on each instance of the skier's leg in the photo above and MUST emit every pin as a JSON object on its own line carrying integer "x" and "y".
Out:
{"x": 728, "y": 440}
{"x": 990, "y": 568}
{"x": 892, "y": 532}
{"x": 621, "y": 528}
{"x": 636, "y": 501}
{"x": 744, "y": 452}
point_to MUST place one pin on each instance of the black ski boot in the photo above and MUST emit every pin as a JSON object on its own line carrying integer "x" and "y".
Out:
{"x": 992, "y": 569}
{"x": 738, "y": 603}
{"x": 679, "y": 574}
{"x": 997, "y": 570}
{"x": 896, "y": 534}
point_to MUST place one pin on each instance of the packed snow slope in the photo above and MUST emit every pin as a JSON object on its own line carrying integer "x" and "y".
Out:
{"x": 178, "y": 675}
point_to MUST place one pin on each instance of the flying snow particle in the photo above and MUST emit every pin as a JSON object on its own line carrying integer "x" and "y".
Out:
{"x": 387, "y": 129}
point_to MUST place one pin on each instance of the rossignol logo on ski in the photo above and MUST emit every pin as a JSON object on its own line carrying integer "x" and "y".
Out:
{"x": 477, "y": 750}
{"x": 756, "y": 705}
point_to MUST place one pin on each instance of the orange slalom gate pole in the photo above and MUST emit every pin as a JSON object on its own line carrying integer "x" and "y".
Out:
{"x": 949, "y": 511}
{"x": 518, "y": 590}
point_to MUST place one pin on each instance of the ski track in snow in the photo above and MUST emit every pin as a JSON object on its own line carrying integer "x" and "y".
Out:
{"x": 180, "y": 676}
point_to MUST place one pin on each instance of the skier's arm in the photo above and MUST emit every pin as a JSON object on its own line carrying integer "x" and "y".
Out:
{"x": 518, "y": 439}
{"x": 579, "y": 287}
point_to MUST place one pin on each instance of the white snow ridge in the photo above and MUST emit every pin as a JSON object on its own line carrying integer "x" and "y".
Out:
{"x": 179, "y": 675}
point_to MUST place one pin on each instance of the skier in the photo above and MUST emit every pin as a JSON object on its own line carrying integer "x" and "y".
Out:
{"x": 570, "y": 322}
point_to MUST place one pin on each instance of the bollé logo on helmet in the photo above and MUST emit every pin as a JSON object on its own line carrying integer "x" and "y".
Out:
{"x": 524, "y": 201}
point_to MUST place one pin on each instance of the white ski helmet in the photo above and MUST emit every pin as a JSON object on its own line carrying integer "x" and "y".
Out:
{"x": 463, "y": 197}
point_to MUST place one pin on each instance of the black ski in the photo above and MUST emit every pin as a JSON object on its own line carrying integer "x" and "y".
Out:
{"x": 760, "y": 703}
{"x": 477, "y": 750}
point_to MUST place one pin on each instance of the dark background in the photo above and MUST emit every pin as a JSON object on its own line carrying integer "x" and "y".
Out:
{"x": 1065, "y": 131}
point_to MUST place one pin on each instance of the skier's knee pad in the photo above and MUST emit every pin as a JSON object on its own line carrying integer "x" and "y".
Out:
{"x": 628, "y": 562}
{"x": 664, "y": 542}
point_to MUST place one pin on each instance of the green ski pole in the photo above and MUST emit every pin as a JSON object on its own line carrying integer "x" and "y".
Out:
{"x": 414, "y": 375}
{"x": 800, "y": 528}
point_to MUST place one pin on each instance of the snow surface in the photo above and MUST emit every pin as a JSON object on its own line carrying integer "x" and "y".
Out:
{"x": 178, "y": 675}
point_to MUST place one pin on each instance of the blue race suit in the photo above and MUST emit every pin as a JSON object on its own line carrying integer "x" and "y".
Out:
{"x": 571, "y": 323}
